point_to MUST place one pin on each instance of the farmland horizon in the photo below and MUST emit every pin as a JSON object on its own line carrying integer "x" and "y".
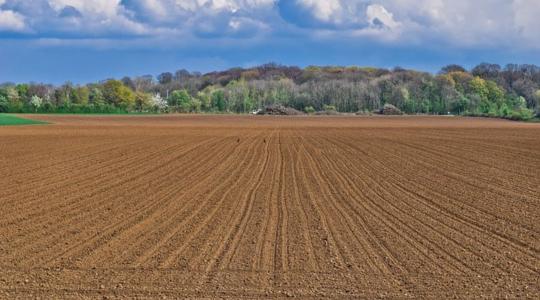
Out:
{"x": 269, "y": 149}
{"x": 511, "y": 91}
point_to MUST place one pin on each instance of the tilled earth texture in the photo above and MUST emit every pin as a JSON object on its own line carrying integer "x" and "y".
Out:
{"x": 269, "y": 207}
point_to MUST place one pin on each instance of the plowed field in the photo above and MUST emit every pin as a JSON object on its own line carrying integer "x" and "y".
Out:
{"x": 254, "y": 207}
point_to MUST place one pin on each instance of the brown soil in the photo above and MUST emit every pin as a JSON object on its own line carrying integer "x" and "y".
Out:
{"x": 254, "y": 207}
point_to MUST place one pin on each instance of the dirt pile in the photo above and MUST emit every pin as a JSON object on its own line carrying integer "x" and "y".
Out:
{"x": 280, "y": 110}
{"x": 390, "y": 110}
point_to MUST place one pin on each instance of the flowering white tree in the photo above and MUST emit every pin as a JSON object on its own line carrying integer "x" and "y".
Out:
{"x": 36, "y": 102}
{"x": 159, "y": 103}
{"x": 537, "y": 98}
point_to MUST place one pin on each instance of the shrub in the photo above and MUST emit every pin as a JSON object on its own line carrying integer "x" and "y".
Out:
{"x": 47, "y": 107}
{"x": 364, "y": 112}
{"x": 4, "y": 105}
{"x": 309, "y": 110}
{"x": 504, "y": 110}
{"x": 329, "y": 108}
{"x": 523, "y": 114}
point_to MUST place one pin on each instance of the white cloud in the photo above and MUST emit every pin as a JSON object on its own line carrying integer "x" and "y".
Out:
{"x": 11, "y": 21}
{"x": 170, "y": 8}
{"x": 204, "y": 18}
{"x": 377, "y": 15}
{"x": 77, "y": 18}
{"x": 333, "y": 12}
{"x": 458, "y": 23}
{"x": 527, "y": 19}
{"x": 223, "y": 19}
{"x": 464, "y": 23}
{"x": 325, "y": 10}
{"x": 108, "y": 8}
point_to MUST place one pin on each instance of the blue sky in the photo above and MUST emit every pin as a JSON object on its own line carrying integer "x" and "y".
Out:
{"x": 89, "y": 40}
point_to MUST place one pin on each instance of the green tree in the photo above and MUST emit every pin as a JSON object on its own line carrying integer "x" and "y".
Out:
{"x": 409, "y": 106}
{"x": 205, "y": 97}
{"x": 446, "y": 94}
{"x": 479, "y": 87}
{"x": 520, "y": 103}
{"x": 22, "y": 92}
{"x": 80, "y": 95}
{"x": 495, "y": 93}
{"x": 143, "y": 101}
{"x": 63, "y": 95}
{"x": 96, "y": 97}
{"x": 504, "y": 110}
{"x": 460, "y": 106}
{"x": 522, "y": 114}
{"x": 196, "y": 105}
{"x": 4, "y": 104}
{"x": 14, "y": 101}
{"x": 117, "y": 94}
{"x": 181, "y": 101}
{"x": 461, "y": 80}
{"x": 537, "y": 100}
{"x": 218, "y": 100}
{"x": 239, "y": 96}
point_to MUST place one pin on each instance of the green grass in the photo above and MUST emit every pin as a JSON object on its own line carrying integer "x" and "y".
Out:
{"x": 11, "y": 120}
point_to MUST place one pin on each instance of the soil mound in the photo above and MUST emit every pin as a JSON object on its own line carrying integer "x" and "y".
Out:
{"x": 280, "y": 110}
{"x": 390, "y": 110}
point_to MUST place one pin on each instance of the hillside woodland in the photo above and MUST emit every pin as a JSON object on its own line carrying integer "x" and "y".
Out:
{"x": 490, "y": 90}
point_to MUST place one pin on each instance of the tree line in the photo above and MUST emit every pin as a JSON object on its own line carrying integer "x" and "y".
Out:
{"x": 512, "y": 91}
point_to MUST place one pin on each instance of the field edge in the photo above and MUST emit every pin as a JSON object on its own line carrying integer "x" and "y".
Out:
{"x": 12, "y": 120}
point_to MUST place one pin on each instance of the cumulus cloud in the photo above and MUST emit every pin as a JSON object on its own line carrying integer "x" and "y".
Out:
{"x": 75, "y": 18}
{"x": 326, "y": 11}
{"x": 378, "y": 16}
{"x": 526, "y": 19}
{"x": 337, "y": 14}
{"x": 11, "y": 21}
{"x": 468, "y": 23}
{"x": 205, "y": 18}
{"x": 109, "y": 18}
{"x": 108, "y": 8}
{"x": 452, "y": 22}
